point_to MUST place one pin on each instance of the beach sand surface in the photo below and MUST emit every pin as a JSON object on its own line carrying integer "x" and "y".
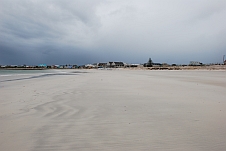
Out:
{"x": 114, "y": 110}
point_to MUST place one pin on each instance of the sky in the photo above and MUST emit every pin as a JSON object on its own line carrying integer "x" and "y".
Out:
{"x": 81, "y": 31}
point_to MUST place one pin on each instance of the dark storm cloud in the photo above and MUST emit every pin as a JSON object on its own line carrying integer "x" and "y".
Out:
{"x": 81, "y": 31}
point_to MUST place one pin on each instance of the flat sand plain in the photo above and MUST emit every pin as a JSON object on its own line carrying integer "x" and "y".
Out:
{"x": 114, "y": 110}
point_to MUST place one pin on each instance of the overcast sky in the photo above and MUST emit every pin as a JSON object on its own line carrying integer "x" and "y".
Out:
{"x": 82, "y": 31}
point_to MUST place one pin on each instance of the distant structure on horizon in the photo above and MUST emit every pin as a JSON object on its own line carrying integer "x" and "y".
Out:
{"x": 150, "y": 63}
{"x": 111, "y": 64}
{"x": 224, "y": 61}
{"x": 115, "y": 64}
{"x": 195, "y": 63}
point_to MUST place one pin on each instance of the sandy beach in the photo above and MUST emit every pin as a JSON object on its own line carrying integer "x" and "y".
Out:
{"x": 109, "y": 110}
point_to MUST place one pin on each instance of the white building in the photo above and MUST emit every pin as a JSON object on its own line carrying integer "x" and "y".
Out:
{"x": 195, "y": 63}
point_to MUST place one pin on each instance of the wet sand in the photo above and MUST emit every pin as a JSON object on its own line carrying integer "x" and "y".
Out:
{"x": 114, "y": 110}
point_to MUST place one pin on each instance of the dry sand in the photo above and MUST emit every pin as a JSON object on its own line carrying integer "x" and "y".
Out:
{"x": 114, "y": 110}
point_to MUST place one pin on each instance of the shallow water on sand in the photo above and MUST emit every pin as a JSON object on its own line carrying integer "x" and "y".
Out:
{"x": 14, "y": 75}
{"x": 5, "y": 72}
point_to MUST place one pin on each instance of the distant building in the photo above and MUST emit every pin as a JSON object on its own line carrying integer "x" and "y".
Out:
{"x": 13, "y": 66}
{"x": 55, "y": 66}
{"x": 165, "y": 65}
{"x": 133, "y": 65}
{"x": 101, "y": 65}
{"x": 69, "y": 67}
{"x": 115, "y": 64}
{"x": 61, "y": 66}
{"x": 42, "y": 65}
{"x": 74, "y": 66}
{"x": 89, "y": 66}
{"x": 195, "y": 63}
{"x": 119, "y": 64}
{"x": 110, "y": 64}
{"x": 156, "y": 64}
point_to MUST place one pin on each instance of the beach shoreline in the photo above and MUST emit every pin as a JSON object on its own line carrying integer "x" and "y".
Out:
{"x": 114, "y": 110}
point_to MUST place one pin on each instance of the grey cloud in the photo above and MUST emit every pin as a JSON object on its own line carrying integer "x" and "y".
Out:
{"x": 121, "y": 30}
